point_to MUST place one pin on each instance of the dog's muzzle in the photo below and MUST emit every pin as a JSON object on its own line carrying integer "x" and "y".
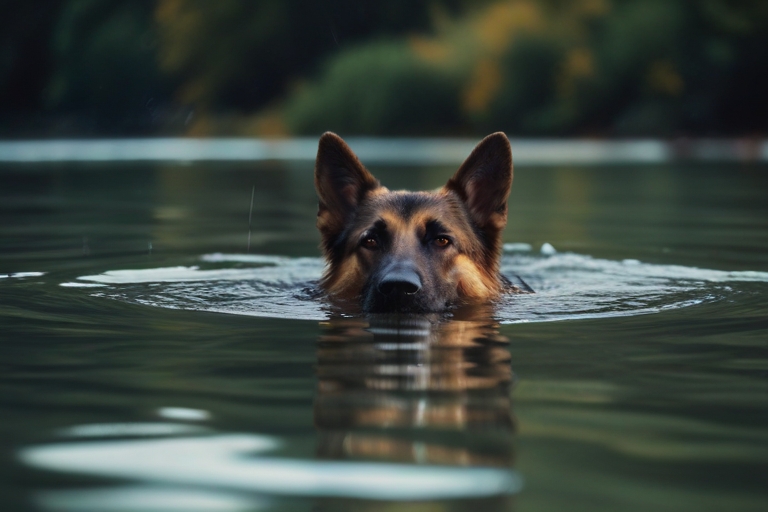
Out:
{"x": 400, "y": 281}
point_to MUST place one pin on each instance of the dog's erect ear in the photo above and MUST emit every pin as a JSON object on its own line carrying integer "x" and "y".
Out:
{"x": 483, "y": 182}
{"x": 341, "y": 182}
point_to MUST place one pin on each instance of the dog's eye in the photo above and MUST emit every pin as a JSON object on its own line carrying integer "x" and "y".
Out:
{"x": 369, "y": 243}
{"x": 442, "y": 241}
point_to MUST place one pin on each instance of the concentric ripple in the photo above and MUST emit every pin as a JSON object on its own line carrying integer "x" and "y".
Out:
{"x": 568, "y": 286}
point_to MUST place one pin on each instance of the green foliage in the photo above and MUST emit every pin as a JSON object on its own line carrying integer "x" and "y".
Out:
{"x": 105, "y": 65}
{"x": 528, "y": 67}
{"x": 527, "y": 102}
{"x": 631, "y": 67}
{"x": 231, "y": 54}
{"x": 378, "y": 88}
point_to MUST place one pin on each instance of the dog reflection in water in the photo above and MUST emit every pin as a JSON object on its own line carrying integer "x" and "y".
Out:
{"x": 415, "y": 389}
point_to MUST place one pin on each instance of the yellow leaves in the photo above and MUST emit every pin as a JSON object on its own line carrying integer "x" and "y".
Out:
{"x": 579, "y": 63}
{"x": 167, "y": 10}
{"x": 185, "y": 30}
{"x": 490, "y": 31}
{"x": 482, "y": 88}
{"x": 193, "y": 91}
{"x": 494, "y": 30}
{"x": 431, "y": 50}
{"x": 270, "y": 123}
{"x": 593, "y": 8}
{"x": 202, "y": 125}
{"x": 178, "y": 26}
{"x": 663, "y": 77}
{"x": 499, "y": 23}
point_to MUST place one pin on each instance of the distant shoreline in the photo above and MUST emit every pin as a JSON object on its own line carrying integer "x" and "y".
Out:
{"x": 387, "y": 151}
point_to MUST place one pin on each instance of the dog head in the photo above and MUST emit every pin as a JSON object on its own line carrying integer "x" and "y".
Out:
{"x": 412, "y": 251}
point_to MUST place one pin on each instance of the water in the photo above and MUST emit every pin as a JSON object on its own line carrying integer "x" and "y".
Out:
{"x": 153, "y": 360}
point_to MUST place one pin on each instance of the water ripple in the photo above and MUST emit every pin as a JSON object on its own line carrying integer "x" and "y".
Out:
{"x": 568, "y": 286}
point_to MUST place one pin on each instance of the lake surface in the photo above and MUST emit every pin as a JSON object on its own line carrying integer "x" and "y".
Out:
{"x": 159, "y": 353}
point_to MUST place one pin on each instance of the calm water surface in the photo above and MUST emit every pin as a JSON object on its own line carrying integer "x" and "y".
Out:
{"x": 158, "y": 356}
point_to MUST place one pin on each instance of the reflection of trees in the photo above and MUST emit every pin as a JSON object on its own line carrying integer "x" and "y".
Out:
{"x": 405, "y": 389}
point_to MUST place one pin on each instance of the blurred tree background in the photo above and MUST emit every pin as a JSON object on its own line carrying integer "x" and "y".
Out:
{"x": 446, "y": 67}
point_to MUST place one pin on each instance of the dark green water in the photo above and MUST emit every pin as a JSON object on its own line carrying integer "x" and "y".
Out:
{"x": 659, "y": 411}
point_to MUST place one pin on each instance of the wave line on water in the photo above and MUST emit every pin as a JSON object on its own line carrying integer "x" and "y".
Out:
{"x": 568, "y": 286}
{"x": 237, "y": 461}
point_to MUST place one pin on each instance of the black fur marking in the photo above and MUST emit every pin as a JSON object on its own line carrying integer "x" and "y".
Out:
{"x": 470, "y": 211}
{"x": 408, "y": 204}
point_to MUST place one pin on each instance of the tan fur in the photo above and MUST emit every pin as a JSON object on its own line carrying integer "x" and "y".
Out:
{"x": 470, "y": 211}
{"x": 347, "y": 282}
{"x": 472, "y": 282}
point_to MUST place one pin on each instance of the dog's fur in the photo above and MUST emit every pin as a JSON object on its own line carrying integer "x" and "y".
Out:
{"x": 413, "y": 251}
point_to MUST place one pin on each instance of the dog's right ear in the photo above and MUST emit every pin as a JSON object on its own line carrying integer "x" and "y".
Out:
{"x": 341, "y": 182}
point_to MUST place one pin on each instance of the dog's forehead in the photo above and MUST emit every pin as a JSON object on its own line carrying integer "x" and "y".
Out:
{"x": 411, "y": 207}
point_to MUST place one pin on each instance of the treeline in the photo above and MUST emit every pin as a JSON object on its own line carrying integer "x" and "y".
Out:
{"x": 458, "y": 67}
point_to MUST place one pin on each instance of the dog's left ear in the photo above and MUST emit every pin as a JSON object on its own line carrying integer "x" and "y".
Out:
{"x": 341, "y": 182}
{"x": 483, "y": 182}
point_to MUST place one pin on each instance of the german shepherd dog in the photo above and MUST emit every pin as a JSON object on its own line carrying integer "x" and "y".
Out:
{"x": 413, "y": 252}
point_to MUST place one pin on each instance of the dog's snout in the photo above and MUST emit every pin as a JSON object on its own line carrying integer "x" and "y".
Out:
{"x": 400, "y": 281}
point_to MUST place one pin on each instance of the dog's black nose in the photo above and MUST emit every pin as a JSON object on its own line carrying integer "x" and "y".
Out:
{"x": 400, "y": 281}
